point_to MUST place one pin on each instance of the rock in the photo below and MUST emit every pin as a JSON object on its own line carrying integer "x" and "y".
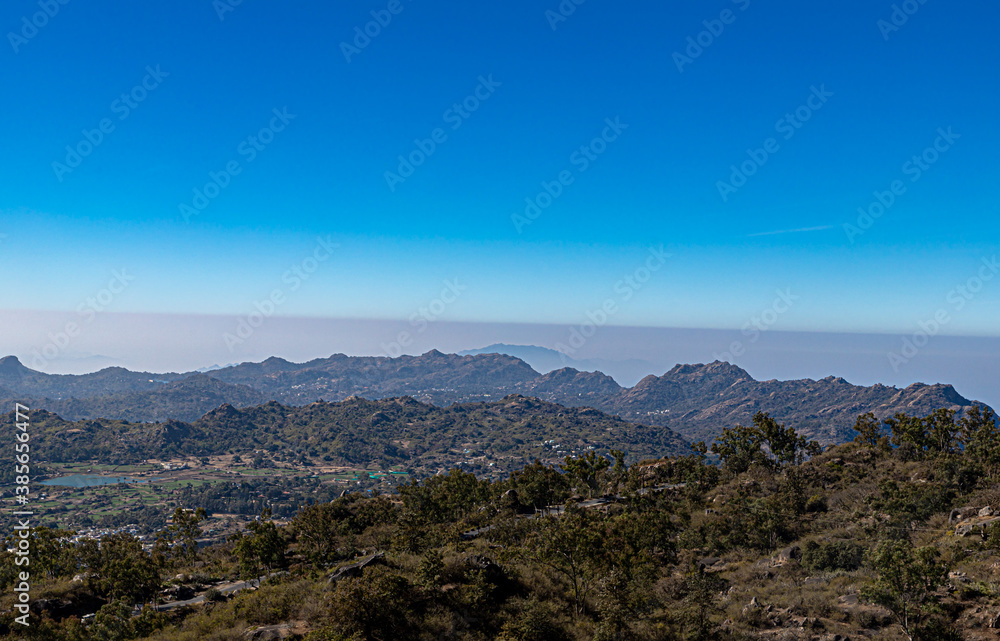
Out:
{"x": 356, "y": 568}
{"x": 708, "y": 561}
{"x": 966, "y": 529}
{"x": 962, "y": 513}
{"x": 789, "y": 554}
{"x": 269, "y": 633}
{"x": 995, "y": 622}
{"x": 986, "y": 511}
{"x": 848, "y": 599}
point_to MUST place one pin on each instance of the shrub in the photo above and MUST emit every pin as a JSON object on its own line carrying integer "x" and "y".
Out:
{"x": 836, "y": 555}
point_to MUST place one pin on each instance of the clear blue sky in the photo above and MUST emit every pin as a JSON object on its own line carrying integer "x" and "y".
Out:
{"x": 657, "y": 183}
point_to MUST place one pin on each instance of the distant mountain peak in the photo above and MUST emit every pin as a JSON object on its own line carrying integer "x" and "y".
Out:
{"x": 715, "y": 368}
{"x": 10, "y": 365}
{"x": 7, "y": 360}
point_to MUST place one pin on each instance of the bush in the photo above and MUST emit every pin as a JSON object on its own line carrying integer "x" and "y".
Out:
{"x": 837, "y": 555}
{"x": 213, "y": 595}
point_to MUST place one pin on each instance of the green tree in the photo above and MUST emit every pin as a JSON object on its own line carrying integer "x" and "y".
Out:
{"x": 942, "y": 431}
{"x": 587, "y": 470}
{"x": 55, "y": 555}
{"x": 115, "y": 622}
{"x": 539, "y": 485}
{"x": 179, "y": 540}
{"x": 741, "y": 448}
{"x": 934, "y": 434}
{"x": 702, "y": 591}
{"x": 980, "y": 436}
{"x": 262, "y": 550}
{"x": 871, "y": 431}
{"x": 318, "y": 528}
{"x": 122, "y": 570}
{"x": 572, "y": 546}
{"x": 906, "y": 580}
{"x": 374, "y": 606}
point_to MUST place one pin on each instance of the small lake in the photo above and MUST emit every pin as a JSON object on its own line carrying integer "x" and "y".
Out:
{"x": 88, "y": 480}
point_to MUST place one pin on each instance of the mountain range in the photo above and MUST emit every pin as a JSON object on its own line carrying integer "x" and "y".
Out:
{"x": 696, "y": 401}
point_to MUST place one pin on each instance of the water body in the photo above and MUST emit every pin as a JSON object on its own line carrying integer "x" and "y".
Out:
{"x": 88, "y": 480}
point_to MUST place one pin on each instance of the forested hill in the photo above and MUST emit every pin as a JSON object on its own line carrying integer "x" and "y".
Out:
{"x": 487, "y": 438}
{"x": 697, "y": 401}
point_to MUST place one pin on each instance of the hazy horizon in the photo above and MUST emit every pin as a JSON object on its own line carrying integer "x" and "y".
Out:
{"x": 180, "y": 343}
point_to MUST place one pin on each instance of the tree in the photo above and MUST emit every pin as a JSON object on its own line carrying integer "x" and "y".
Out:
{"x": 571, "y": 545}
{"x": 701, "y": 592}
{"x": 115, "y": 622}
{"x": 179, "y": 540}
{"x": 741, "y": 448}
{"x": 942, "y": 431}
{"x": 445, "y": 497}
{"x": 55, "y": 554}
{"x": 871, "y": 431}
{"x": 374, "y": 606}
{"x": 587, "y": 471}
{"x": 980, "y": 436}
{"x": 905, "y": 584}
{"x": 908, "y": 429}
{"x": 123, "y": 570}
{"x": 262, "y": 550}
{"x": 539, "y": 485}
{"x": 318, "y": 528}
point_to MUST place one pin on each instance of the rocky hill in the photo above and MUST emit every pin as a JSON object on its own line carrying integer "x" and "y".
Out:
{"x": 697, "y": 401}
{"x": 486, "y": 438}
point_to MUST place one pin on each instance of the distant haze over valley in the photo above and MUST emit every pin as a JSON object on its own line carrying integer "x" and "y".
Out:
{"x": 179, "y": 343}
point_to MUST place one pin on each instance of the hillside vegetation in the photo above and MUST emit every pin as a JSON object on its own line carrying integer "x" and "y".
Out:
{"x": 892, "y": 536}
{"x": 490, "y": 438}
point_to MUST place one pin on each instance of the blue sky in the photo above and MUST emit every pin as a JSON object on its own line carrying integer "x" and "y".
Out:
{"x": 218, "y": 81}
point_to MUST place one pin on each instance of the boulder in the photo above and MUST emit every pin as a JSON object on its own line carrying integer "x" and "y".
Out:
{"x": 789, "y": 554}
{"x": 269, "y": 633}
{"x": 986, "y": 511}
